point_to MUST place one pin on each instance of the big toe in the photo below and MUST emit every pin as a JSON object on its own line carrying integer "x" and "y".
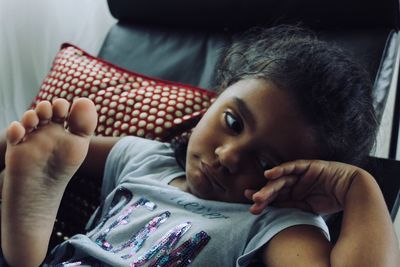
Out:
{"x": 82, "y": 119}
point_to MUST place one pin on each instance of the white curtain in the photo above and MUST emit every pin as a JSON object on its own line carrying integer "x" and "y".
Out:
{"x": 31, "y": 33}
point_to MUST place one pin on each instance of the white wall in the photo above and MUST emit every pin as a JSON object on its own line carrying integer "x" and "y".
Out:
{"x": 31, "y": 33}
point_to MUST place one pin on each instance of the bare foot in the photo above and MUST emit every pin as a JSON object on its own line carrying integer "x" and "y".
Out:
{"x": 42, "y": 155}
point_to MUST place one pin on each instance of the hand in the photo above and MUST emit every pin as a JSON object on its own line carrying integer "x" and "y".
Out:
{"x": 312, "y": 185}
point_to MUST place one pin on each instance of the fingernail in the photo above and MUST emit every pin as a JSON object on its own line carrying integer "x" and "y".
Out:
{"x": 267, "y": 172}
{"x": 248, "y": 193}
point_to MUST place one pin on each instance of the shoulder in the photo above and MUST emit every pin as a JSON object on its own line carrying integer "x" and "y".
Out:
{"x": 129, "y": 146}
{"x": 140, "y": 142}
{"x": 300, "y": 245}
{"x": 273, "y": 229}
{"x": 139, "y": 155}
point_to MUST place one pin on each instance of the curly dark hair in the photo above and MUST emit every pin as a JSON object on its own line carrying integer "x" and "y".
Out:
{"x": 331, "y": 90}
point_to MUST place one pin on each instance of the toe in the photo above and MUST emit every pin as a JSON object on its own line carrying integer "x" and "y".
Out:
{"x": 15, "y": 133}
{"x": 30, "y": 120}
{"x": 60, "y": 110}
{"x": 82, "y": 119}
{"x": 44, "y": 112}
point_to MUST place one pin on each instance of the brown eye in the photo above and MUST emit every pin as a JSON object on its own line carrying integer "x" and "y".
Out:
{"x": 233, "y": 123}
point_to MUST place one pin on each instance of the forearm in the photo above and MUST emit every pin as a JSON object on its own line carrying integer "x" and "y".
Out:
{"x": 367, "y": 236}
{"x": 99, "y": 148}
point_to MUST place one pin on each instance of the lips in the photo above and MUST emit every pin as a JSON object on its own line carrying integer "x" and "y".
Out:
{"x": 211, "y": 175}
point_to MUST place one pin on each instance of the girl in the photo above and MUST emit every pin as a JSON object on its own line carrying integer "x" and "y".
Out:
{"x": 250, "y": 183}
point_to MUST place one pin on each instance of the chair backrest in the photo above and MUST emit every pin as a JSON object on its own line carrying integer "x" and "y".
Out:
{"x": 180, "y": 41}
{"x": 239, "y": 14}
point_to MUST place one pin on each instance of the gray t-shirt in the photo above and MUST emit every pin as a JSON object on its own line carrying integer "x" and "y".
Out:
{"x": 146, "y": 222}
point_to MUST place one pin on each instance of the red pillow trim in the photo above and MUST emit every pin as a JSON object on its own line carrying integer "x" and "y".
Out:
{"x": 128, "y": 103}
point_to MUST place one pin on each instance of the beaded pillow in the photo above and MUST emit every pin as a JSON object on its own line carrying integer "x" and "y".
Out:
{"x": 128, "y": 103}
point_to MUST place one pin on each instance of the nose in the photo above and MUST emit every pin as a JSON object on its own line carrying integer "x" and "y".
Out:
{"x": 229, "y": 156}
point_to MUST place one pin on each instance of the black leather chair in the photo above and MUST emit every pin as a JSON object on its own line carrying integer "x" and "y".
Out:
{"x": 180, "y": 40}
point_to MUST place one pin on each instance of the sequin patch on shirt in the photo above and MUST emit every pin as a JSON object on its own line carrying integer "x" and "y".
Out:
{"x": 164, "y": 245}
{"x": 86, "y": 261}
{"x": 137, "y": 240}
{"x": 121, "y": 198}
{"x": 184, "y": 254}
{"x": 122, "y": 220}
{"x": 164, "y": 252}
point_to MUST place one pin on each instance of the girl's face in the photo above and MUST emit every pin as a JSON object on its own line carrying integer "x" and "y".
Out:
{"x": 251, "y": 126}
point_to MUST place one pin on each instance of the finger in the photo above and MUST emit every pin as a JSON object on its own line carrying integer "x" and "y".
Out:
{"x": 297, "y": 167}
{"x": 308, "y": 182}
{"x": 273, "y": 186}
{"x": 248, "y": 193}
{"x": 284, "y": 194}
{"x": 268, "y": 193}
{"x": 258, "y": 207}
